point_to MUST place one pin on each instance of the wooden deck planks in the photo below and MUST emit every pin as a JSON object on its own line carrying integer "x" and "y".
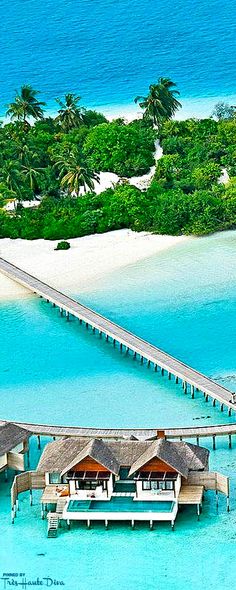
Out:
{"x": 191, "y": 494}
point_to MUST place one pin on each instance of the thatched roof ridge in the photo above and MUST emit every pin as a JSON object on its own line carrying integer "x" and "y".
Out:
{"x": 11, "y": 435}
{"x": 100, "y": 452}
{"x": 165, "y": 451}
{"x": 58, "y": 456}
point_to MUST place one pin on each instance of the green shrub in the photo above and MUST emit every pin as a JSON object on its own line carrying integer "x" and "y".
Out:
{"x": 63, "y": 246}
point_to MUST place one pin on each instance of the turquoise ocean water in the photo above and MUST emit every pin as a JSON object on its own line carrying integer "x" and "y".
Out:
{"x": 184, "y": 300}
{"x": 109, "y": 51}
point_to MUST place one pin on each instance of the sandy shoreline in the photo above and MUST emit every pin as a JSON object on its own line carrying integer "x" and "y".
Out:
{"x": 89, "y": 259}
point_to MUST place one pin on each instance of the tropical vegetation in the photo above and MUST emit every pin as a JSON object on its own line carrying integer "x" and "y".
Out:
{"x": 54, "y": 164}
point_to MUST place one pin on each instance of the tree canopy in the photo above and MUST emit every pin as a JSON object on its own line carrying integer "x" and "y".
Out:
{"x": 161, "y": 103}
{"x": 56, "y": 161}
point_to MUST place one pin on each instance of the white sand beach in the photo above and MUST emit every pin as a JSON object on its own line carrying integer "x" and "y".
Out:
{"x": 89, "y": 259}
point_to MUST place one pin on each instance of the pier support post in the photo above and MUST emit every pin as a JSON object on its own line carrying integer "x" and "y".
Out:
{"x": 155, "y": 368}
{"x": 31, "y": 498}
{"x": 67, "y": 316}
{"x": 222, "y": 407}
{"x": 94, "y": 330}
{"x": 229, "y": 411}
{"x": 172, "y": 525}
{"x": 169, "y": 375}
{"x": 107, "y": 337}
{"x": 6, "y": 475}
{"x": 227, "y": 504}
{"x": 86, "y": 325}
{"x": 214, "y": 442}
{"x": 132, "y": 524}
{"x": 141, "y": 360}
{"x": 230, "y": 441}
{"x": 106, "y": 524}
{"x": 162, "y": 372}
{"x": 151, "y": 525}
{"x": 121, "y": 346}
{"x": 88, "y": 524}
{"x": 135, "y": 354}
{"x": 148, "y": 364}
{"x": 114, "y": 342}
{"x": 207, "y": 397}
{"x": 198, "y": 511}
{"x": 39, "y": 441}
{"x": 198, "y": 441}
{"x": 214, "y": 402}
{"x": 176, "y": 379}
{"x": 192, "y": 391}
{"x": 28, "y": 458}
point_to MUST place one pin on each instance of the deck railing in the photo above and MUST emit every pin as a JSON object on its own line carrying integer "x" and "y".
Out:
{"x": 23, "y": 482}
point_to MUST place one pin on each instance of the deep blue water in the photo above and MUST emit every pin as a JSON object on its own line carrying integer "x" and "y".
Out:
{"x": 109, "y": 51}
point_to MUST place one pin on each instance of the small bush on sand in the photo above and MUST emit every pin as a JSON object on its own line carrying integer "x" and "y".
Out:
{"x": 63, "y": 246}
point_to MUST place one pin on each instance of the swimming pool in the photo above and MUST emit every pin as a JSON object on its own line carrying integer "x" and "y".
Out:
{"x": 118, "y": 504}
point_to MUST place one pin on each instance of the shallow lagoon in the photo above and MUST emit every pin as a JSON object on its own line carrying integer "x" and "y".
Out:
{"x": 55, "y": 371}
{"x": 183, "y": 300}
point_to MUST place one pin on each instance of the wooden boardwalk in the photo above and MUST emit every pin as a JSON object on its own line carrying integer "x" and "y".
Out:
{"x": 189, "y": 377}
{"x": 196, "y": 432}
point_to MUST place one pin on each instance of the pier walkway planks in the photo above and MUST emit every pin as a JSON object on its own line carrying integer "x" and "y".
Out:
{"x": 138, "y": 346}
{"x": 127, "y": 433}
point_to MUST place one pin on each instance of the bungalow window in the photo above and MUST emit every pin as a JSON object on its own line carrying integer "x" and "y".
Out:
{"x": 158, "y": 485}
{"x": 146, "y": 485}
{"x": 54, "y": 478}
{"x": 90, "y": 485}
{"x": 150, "y": 485}
{"x": 169, "y": 485}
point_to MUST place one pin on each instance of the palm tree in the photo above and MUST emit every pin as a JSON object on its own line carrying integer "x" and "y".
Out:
{"x": 22, "y": 152}
{"x": 32, "y": 175}
{"x": 26, "y": 105}
{"x": 75, "y": 175}
{"x": 11, "y": 177}
{"x": 70, "y": 115}
{"x": 161, "y": 102}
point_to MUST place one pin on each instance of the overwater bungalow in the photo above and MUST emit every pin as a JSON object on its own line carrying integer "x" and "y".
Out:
{"x": 13, "y": 447}
{"x": 118, "y": 479}
{"x": 122, "y": 480}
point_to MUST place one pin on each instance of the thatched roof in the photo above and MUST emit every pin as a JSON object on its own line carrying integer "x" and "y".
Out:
{"x": 195, "y": 456}
{"x": 11, "y": 435}
{"x": 63, "y": 454}
{"x": 165, "y": 451}
{"x": 99, "y": 451}
{"x": 57, "y": 455}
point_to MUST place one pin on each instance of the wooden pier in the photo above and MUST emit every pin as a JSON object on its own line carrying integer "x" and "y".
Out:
{"x": 187, "y": 433}
{"x": 191, "y": 379}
